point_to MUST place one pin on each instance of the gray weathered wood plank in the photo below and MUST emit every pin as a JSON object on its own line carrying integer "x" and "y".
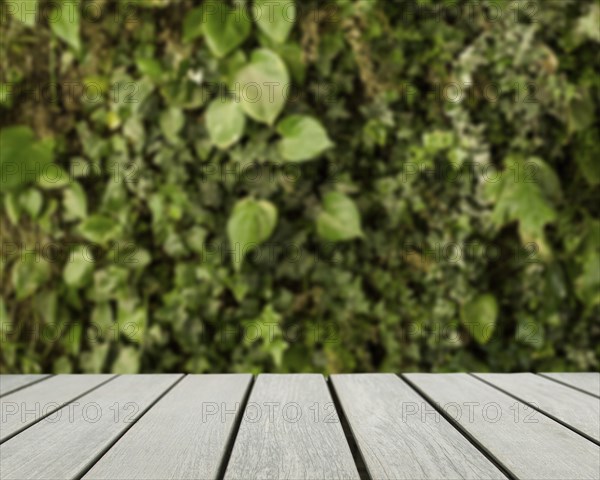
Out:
{"x": 291, "y": 430}
{"x": 401, "y": 436}
{"x": 80, "y": 431}
{"x": 574, "y": 408}
{"x": 10, "y": 383}
{"x": 25, "y": 407}
{"x": 526, "y": 442}
{"x": 184, "y": 436}
{"x": 586, "y": 381}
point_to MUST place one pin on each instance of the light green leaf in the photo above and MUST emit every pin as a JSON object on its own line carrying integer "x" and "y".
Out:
{"x": 127, "y": 361}
{"x": 250, "y": 224}
{"x": 79, "y": 267}
{"x": 172, "y": 121}
{"x": 479, "y": 316}
{"x": 275, "y": 18}
{"x": 193, "y": 23}
{"x": 340, "y": 219}
{"x": 225, "y": 122}
{"x": 26, "y": 11}
{"x": 29, "y": 273}
{"x": 75, "y": 202}
{"x": 93, "y": 360}
{"x": 31, "y": 201}
{"x": 224, "y": 28}
{"x": 102, "y": 321}
{"x": 132, "y": 319}
{"x": 99, "y": 229}
{"x": 263, "y": 86}
{"x": 304, "y": 138}
{"x": 524, "y": 201}
{"x": 65, "y": 23}
{"x": 23, "y": 159}
{"x": 151, "y": 68}
{"x": 545, "y": 177}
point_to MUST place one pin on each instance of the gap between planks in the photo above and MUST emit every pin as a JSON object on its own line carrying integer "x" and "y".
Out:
{"x": 470, "y": 438}
{"x": 538, "y": 408}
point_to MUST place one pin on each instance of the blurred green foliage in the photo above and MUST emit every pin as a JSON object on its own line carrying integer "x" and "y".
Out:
{"x": 313, "y": 186}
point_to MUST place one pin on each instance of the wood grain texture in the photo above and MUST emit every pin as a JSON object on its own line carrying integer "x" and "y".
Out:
{"x": 10, "y": 383}
{"x": 401, "y": 436}
{"x": 574, "y": 408}
{"x": 290, "y": 430}
{"x": 184, "y": 436}
{"x": 586, "y": 381}
{"x": 25, "y": 407}
{"x": 81, "y": 431}
{"x": 527, "y": 443}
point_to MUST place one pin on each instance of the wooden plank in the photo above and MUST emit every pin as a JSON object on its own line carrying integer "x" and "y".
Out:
{"x": 565, "y": 404}
{"x": 184, "y": 436}
{"x": 11, "y": 383}
{"x": 80, "y": 432}
{"x": 585, "y": 381}
{"x": 25, "y": 407}
{"x": 527, "y": 443}
{"x": 401, "y": 436}
{"x": 290, "y": 430}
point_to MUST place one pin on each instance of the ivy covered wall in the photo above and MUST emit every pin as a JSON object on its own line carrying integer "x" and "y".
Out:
{"x": 269, "y": 185}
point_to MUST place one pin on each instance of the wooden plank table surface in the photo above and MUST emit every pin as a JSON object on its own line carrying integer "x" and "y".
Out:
{"x": 299, "y": 426}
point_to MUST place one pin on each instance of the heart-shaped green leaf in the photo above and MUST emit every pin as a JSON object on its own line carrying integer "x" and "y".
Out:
{"x": 225, "y": 122}
{"x": 263, "y": 86}
{"x": 275, "y": 18}
{"x": 340, "y": 219}
{"x": 250, "y": 224}
{"x": 224, "y": 28}
{"x": 479, "y": 317}
{"x": 304, "y": 138}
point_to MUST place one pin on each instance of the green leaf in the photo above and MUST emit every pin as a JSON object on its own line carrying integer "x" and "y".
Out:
{"x": 151, "y": 68}
{"x": 29, "y": 273}
{"x": 263, "y": 86}
{"x": 172, "y": 121}
{"x": 99, "y": 229}
{"x": 224, "y": 28}
{"x": 31, "y": 200}
{"x": 304, "y": 138}
{"x": 132, "y": 319}
{"x": 340, "y": 219}
{"x": 79, "y": 267}
{"x": 546, "y": 178}
{"x": 479, "y": 316}
{"x": 65, "y": 23}
{"x": 75, "y": 202}
{"x": 93, "y": 360}
{"x": 250, "y": 224}
{"x": 225, "y": 122}
{"x": 127, "y": 361}
{"x": 275, "y": 18}
{"x": 22, "y": 159}
{"x": 193, "y": 23}
{"x": 522, "y": 200}
{"x": 26, "y": 11}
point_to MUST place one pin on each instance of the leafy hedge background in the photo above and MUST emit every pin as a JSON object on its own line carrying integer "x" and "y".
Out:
{"x": 365, "y": 219}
